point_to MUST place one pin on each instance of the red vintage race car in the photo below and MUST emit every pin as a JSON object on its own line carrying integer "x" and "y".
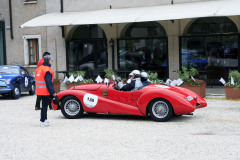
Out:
{"x": 161, "y": 102}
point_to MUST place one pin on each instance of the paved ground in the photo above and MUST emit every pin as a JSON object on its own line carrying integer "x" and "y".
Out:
{"x": 215, "y": 91}
{"x": 211, "y": 133}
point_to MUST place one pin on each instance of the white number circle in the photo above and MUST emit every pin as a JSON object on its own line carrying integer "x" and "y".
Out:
{"x": 26, "y": 81}
{"x": 90, "y": 100}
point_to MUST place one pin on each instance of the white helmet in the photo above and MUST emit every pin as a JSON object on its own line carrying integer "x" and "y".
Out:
{"x": 136, "y": 73}
{"x": 131, "y": 74}
{"x": 144, "y": 75}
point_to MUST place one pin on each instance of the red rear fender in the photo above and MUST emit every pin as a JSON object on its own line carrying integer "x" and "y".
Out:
{"x": 178, "y": 101}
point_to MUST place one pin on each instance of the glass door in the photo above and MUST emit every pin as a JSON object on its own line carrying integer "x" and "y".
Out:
{"x": 149, "y": 54}
{"x": 213, "y": 56}
{"x": 89, "y": 56}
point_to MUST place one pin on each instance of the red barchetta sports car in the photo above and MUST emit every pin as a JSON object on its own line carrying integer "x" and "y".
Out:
{"x": 160, "y": 102}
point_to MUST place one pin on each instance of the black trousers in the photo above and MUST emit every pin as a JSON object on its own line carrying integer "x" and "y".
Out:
{"x": 45, "y": 102}
{"x": 38, "y": 101}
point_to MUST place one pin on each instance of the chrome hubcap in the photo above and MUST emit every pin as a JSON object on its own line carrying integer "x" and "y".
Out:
{"x": 160, "y": 109}
{"x": 72, "y": 107}
{"x": 16, "y": 90}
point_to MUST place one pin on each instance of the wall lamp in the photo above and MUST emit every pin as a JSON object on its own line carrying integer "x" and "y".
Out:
{"x": 111, "y": 42}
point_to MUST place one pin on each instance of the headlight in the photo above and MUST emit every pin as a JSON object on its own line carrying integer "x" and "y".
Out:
{"x": 189, "y": 98}
{"x": 8, "y": 81}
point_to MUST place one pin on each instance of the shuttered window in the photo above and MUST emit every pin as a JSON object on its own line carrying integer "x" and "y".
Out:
{"x": 33, "y": 51}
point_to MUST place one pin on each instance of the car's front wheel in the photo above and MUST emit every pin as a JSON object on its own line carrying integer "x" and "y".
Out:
{"x": 71, "y": 107}
{"x": 16, "y": 92}
{"x": 160, "y": 110}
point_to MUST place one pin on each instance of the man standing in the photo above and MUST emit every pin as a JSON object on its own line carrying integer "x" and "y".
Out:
{"x": 40, "y": 62}
{"x": 44, "y": 86}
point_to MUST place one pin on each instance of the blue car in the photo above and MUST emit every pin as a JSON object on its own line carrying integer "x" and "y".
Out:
{"x": 15, "y": 79}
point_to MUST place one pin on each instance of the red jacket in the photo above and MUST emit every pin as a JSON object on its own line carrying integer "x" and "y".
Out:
{"x": 40, "y": 62}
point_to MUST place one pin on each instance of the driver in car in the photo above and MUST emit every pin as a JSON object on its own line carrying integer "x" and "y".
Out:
{"x": 134, "y": 85}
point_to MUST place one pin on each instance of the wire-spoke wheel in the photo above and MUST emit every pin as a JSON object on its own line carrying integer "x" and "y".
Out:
{"x": 160, "y": 110}
{"x": 71, "y": 107}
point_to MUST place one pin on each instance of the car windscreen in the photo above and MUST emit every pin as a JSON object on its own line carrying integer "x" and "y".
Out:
{"x": 9, "y": 70}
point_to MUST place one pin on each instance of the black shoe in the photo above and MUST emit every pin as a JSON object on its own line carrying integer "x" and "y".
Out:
{"x": 50, "y": 107}
{"x": 37, "y": 108}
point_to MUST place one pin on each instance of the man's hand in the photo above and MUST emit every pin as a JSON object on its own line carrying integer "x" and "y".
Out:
{"x": 55, "y": 94}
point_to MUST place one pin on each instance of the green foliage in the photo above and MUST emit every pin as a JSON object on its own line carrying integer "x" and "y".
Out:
{"x": 56, "y": 81}
{"x": 124, "y": 80}
{"x": 193, "y": 71}
{"x": 153, "y": 77}
{"x": 236, "y": 77}
{"x": 157, "y": 81}
{"x": 82, "y": 82}
{"x": 186, "y": 74}
{"x": 77, "y": 73}
{"x": 109, "y": 73}
{"x": 86, "y": 81}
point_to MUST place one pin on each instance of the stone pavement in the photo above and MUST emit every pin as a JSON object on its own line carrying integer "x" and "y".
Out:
{"x": 215, "y": 92}
{"x": 212, "y": 133}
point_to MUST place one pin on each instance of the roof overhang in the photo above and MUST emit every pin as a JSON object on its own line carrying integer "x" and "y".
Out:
{"x": 140, "y": 14}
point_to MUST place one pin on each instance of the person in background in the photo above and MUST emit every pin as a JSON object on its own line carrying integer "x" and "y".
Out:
{"x": 44, "y": 86}
{"x": 38, "y": 100}
{"x": 144, "y": 79}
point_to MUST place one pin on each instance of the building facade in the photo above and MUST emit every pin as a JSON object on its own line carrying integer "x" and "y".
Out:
{"x": 210, "y": 44}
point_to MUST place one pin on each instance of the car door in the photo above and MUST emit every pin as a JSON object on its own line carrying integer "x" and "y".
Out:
{"x": 127, "y": 97}
{"x": 25, "y": 80}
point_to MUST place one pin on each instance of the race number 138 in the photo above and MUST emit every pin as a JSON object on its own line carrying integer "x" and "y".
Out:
{"x": 90, "y": 100}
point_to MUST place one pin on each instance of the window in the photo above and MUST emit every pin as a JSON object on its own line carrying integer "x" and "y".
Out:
{"x": 144, "y": 48}
{"x": 213, "y": 53}
{"x": 145, "y": 29}
{"x": 87, "y": 51}
{"x": 24, "y": 71}
{"x": 29, "y": 1}
{"x": 88, "y": 32}
{"x": 32, "y": 49}
{"x": 211, "y": 25}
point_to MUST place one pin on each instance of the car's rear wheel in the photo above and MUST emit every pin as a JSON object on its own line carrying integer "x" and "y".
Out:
{"x": 160, "y": 110}
{"x": 32, "y": 90}
{"x": 16, "y": 92}
{"x": 71, "y": 107}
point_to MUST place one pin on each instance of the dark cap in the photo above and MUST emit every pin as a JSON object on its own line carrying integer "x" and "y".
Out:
{"x": 46, "y": 53}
